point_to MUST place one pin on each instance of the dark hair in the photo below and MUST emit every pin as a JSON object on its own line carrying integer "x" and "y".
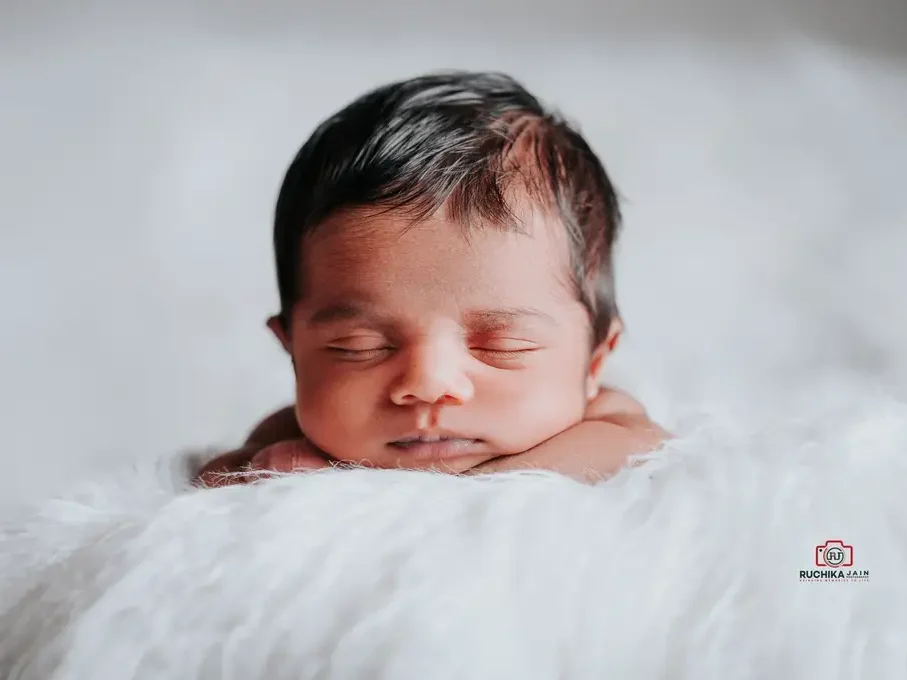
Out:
{"x": 455, "y": 139}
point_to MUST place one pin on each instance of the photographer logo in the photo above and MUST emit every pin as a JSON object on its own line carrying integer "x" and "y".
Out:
{"x": 834, "y": 561}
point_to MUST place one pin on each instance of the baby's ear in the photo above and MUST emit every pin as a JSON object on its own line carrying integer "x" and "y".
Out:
{"x": 615, "y": 332}
{"x": 600, "y": 355}
{"x": 278, "y": 327}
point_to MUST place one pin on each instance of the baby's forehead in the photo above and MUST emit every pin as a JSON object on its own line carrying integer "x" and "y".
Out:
{"x": 391, "y": 257}
{"x": 361, "y": 235}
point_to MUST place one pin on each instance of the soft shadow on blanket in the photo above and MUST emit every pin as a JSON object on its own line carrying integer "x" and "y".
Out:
{"x": 700, "y": 563}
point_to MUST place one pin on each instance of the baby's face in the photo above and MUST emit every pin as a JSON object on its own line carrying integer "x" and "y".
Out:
{"x": 419, "y": 347}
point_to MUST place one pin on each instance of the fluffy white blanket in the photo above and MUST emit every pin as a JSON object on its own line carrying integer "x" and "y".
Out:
{"x": 699, "y": 563}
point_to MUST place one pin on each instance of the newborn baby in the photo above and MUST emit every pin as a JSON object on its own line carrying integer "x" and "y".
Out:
{"x": 444, "y": 261}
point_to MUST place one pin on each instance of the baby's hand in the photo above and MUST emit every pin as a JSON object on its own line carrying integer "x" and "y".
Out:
{"x": 248, "y": 463}
{"x": 276, "y": 444}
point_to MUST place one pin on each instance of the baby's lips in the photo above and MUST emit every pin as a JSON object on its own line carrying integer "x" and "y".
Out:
{"x": 288, "y": 456}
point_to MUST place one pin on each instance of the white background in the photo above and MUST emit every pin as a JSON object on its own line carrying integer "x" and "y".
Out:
{"x": 761, "y": 153}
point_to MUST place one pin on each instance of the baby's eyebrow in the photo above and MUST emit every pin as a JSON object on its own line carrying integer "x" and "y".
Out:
{"x": 496, "y": 319}
{"x": 483, "y": 320}
{"x": 342, "y": 311}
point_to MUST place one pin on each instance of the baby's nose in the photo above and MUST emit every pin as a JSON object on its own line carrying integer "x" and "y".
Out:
{"x": 433, "y": 375}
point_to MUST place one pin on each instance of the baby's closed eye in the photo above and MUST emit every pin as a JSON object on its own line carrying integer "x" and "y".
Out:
{"x": 359, "y": 347}
{"x": 503, "y": 352}
{"x": 504, "y": 346}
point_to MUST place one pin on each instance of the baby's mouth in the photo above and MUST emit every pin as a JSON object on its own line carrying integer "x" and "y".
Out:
{"x": 436, "y": 446}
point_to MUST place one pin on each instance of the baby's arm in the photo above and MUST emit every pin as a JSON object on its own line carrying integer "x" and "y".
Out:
{"x": 276, "y": 443}
{"x": 277, "y": 427}
{"x": 615, "y": 427}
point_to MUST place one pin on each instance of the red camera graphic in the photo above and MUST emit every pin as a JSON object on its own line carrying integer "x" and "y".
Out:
{"x": 834, "y": 554}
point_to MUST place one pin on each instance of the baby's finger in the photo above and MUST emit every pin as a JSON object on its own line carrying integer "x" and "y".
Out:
{"x": 289, "y": 456}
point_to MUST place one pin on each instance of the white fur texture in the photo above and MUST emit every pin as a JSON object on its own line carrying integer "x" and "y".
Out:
{"x": 686, "y": 566}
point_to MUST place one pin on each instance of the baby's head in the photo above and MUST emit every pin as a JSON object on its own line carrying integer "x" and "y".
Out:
{"x": 443, "y": 252}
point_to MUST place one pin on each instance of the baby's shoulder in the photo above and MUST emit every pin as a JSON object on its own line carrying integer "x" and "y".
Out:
{"x": 613, "y": 402}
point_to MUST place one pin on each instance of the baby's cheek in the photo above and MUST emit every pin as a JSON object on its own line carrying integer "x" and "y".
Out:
{"x": 332, "y": 411}
{"x": 539, "y": 412}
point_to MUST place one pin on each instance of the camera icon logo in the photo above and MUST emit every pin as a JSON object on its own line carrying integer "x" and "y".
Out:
{"x": 834, "y": 554}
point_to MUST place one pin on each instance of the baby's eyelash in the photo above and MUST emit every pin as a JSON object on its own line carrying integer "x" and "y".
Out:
{"x": 359, "y": 354}
{"x": 505, "y": 353}
{"x": 375, "y": 352}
